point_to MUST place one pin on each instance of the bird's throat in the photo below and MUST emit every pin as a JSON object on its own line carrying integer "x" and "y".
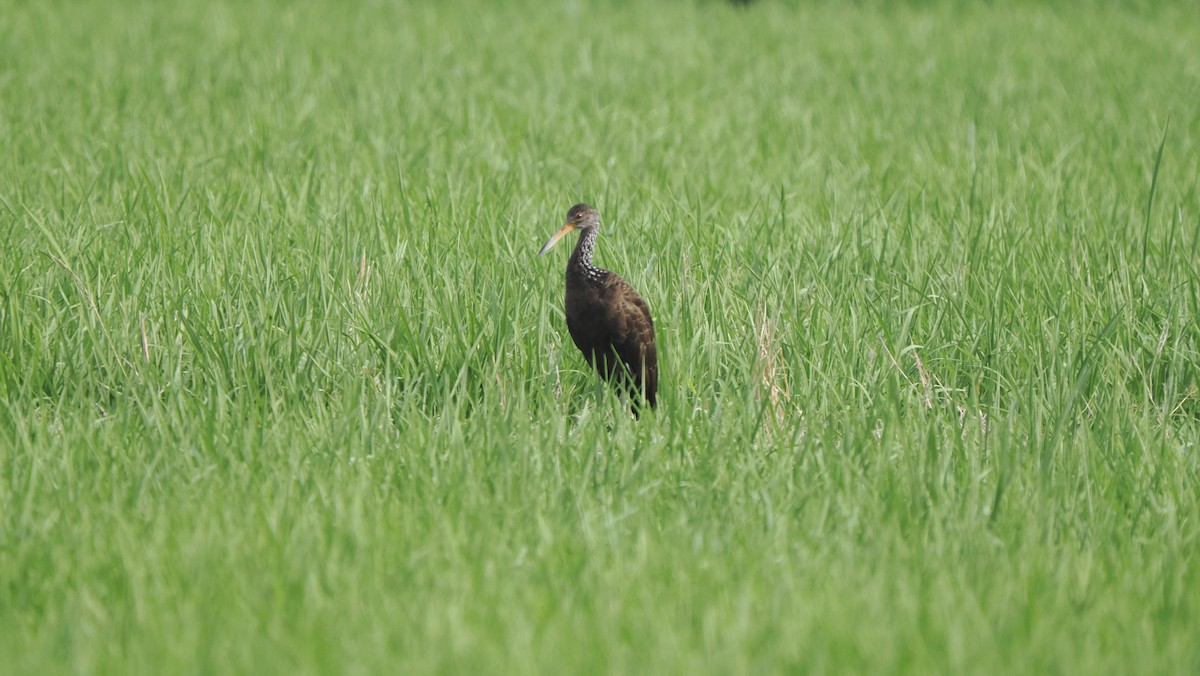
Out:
{"x": 581, "y": 259}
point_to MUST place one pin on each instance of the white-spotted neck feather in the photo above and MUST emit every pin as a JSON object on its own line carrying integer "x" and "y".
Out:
{"x": 581, "y": 259}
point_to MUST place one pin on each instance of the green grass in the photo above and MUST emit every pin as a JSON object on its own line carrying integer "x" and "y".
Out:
{"x": 284, "y": 387}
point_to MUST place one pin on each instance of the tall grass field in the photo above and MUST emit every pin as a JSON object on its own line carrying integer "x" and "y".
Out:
{"x": 286, "y": 389}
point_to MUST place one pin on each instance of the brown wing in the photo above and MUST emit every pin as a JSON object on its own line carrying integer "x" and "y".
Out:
{"x": 634, "y": 339}
{"x": 611, "y": 325}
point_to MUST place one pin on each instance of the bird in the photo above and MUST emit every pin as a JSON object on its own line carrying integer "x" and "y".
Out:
{"x": 607, "y": 319}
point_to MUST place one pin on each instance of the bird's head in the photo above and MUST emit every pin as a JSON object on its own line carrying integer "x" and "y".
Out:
{"x": 580, "y": 217}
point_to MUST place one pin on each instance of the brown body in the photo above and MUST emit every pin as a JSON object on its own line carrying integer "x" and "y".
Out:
{"x": 607, "y": 319}
{"x": 611, "y": 325}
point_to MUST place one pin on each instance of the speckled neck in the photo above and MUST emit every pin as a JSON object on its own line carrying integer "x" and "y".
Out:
{"x": 581, "y": 259}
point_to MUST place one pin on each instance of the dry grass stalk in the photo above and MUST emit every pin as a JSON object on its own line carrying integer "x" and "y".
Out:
{"x": 773, "y": 382}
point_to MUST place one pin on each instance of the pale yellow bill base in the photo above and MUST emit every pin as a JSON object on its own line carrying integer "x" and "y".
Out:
{"x": 557, "y": 236}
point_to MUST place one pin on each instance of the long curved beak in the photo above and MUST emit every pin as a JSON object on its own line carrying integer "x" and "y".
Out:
{"x": 557, "y": 236}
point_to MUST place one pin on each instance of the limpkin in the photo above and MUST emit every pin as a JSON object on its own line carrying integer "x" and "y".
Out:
{"x": 607, "y": 319}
